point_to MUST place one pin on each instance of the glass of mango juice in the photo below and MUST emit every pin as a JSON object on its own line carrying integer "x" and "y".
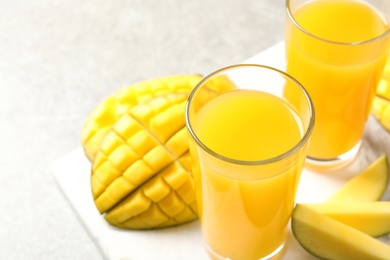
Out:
{"x": 337, "y": 49}
{"x": 248, "y": 144}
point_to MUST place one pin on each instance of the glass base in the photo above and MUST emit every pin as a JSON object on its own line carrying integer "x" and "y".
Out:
{"x": 273, "y": 256}
{"x": 337, "y": 162}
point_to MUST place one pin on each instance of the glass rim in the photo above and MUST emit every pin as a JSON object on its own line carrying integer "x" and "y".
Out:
{"x": 356, "y": 43}
{"x": 304, "y": 139}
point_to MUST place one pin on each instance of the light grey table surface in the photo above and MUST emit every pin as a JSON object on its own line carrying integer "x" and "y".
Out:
{"x": 59, "y": 59}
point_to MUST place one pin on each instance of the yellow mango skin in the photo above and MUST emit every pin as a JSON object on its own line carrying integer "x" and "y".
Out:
{"x": 112, "y": 108}
{"x": 327, "y": 238}
{"x": 139, "y": 180}
{"x": 372, "y": 218}
{"x": 369, "y": 185}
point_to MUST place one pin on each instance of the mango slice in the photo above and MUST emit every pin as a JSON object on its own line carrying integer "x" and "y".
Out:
{"x": 372, "y": 218}
{"x": 327, "y": 238}
{"x": 369, "y": 185}
{"x": 112, "y": 108}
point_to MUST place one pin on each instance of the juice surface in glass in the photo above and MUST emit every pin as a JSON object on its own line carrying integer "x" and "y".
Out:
{"x": 244, "y": 210}
{"x": 340, "y": 77}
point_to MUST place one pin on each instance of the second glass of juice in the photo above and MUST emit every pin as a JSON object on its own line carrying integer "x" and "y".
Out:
{"x": 337, "y": 49}
{"x": 248, "y": 143}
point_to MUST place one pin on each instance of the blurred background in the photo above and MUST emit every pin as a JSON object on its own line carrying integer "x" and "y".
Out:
{"x": 59, "y": 59}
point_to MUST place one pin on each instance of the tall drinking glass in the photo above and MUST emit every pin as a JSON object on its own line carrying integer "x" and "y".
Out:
{"x": 248, "y": 144}
{"x": 337, "y": 49}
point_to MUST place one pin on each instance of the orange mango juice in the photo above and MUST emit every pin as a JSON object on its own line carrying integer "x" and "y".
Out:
{"x": 340, "y": 77}
{"x": 244, "y": 210}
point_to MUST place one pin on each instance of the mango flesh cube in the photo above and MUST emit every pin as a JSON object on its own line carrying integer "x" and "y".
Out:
{"x": 111, "y": 142}
{"x": 171, "y": 204}
{"x": 156, "y": 189}
{"x": 166, "y": 124}
{"x": 123, "y": 157}
{"x": 175, "y": 144}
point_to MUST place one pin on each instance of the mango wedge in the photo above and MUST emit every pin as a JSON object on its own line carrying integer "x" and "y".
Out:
{"x": 372, "y": 218}
{"x": 112, "y": 108}
{"x": 327, "y": 238}
{"x": 369, "y": 185}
